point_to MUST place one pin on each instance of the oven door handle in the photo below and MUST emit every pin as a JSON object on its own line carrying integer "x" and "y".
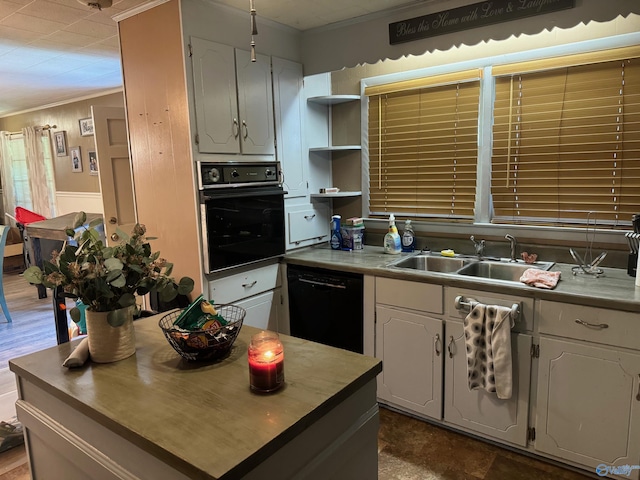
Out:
{"x": 237, "y": 193}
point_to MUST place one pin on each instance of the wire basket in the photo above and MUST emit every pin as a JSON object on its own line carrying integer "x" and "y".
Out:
{"x": 208, "y": 344}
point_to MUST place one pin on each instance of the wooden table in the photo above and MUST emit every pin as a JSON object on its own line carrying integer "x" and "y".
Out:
{"x": 157, "y": 416}
{"x": 53, "y": 229}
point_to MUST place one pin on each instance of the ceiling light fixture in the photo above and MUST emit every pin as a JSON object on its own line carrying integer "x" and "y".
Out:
{"x": 99, "y": 4}
{"x": 254, "y": 28}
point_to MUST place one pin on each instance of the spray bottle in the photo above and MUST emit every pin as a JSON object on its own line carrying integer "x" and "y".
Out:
{"x": 392, "y": 238}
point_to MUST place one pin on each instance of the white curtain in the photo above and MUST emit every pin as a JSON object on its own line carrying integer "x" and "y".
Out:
{"x": 42, "y": 186}
{"x": 8, "y": 194}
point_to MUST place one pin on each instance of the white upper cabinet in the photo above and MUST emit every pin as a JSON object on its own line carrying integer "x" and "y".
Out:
{"x": 233, "y": 100}
{"x": 289, "y": 114}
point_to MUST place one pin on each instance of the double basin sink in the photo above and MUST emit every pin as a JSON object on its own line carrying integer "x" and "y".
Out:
{"x": 494, "y": 269}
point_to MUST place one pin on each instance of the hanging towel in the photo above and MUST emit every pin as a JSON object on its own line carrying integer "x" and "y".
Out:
{"x": 487, "y": 333}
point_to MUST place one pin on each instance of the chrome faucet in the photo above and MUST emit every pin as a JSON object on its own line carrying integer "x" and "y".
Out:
{"x": 478, "y": 247}
{"x": 513, "y": 242}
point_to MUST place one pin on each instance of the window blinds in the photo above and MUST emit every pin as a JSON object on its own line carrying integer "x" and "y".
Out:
{"x": 423, "y": 149}
{"x": 566, "y": 142}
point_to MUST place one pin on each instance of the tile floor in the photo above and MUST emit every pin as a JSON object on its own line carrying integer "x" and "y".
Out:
{"x": 411, "y": 449}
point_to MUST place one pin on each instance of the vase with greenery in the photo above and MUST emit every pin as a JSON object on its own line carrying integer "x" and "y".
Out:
{"x": 107, "y": 280}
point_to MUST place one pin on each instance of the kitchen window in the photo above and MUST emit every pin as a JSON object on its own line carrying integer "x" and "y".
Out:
{"x": 550, "y": 142}
{"x": 423, "y": 147}
{"x": 566, "y": 140}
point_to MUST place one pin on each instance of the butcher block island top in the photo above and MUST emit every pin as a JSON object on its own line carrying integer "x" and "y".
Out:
{"x": 155, "y": 415}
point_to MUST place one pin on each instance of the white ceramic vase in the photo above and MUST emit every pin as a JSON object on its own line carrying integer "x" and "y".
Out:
{"x": 110, "y": 344}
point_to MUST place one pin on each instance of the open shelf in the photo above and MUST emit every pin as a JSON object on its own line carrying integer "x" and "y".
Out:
{"x": 333, "y": 99}
{"x": 335, "y": 148}
{"x": 336, "y": 195}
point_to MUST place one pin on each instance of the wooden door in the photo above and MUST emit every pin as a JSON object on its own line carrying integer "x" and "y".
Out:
{"x": 479, "y": 410}
{"x": 587, "y": 406}
{"x": 114, "y": 170}
{"x": 216, "y": 100}
{"x": 410, "y": 347}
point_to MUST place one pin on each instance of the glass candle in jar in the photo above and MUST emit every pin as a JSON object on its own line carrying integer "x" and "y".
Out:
{"x": 266, "y": 362}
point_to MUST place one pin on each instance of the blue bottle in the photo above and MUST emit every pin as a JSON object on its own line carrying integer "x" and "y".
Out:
{"x": 336, "y": 236}
{"x": 408, "y": 237}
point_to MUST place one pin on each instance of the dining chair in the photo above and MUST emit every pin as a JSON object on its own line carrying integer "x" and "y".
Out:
{"x": 4, "y": 231}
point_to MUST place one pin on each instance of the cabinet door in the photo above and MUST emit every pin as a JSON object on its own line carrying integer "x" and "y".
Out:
{"x": 261, "y": 310}
{"x": 255, "y": 103}
{"x": 216, "y": 104}
{"x": 479, "y": 410}
{"x": 287, "y": 99}
{"x": 587, "y": 406}
{"x": 410, "y": 347}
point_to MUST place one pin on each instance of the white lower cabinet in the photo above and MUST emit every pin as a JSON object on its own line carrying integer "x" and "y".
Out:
{"x": 588, "y": 400}
{"x": 481, "y": 411}
{"x": 257, "y": 290}
{"x": 410, "y": 347}
{"x": 262, "y": 310}
{"x": 424, "y": 364}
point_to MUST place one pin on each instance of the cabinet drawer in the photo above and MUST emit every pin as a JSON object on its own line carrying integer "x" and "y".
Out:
{"x": 523, "y": 323}
{"x": 243, "y": 285}
{"x": 623, "y": 328}
{"x": 414, "y": 295}
{"x": 307, "y": 224}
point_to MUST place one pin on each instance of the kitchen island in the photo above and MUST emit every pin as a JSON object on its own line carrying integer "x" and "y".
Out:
{"x": 157, "y": 416}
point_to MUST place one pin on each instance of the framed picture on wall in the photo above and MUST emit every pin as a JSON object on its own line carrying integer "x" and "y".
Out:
{"x": 86, "y": 126}
{"x": 93, "y": 163}
{"x": 76, "y": 160}
{"x": 60, "y": 143}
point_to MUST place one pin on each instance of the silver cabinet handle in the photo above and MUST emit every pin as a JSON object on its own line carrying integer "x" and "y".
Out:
{"x": 236, "y": 128}
{"x": 249, "y": 285}
{"x": 450, "y": 346}
{"x": 592, "y": 325}
{"x": 436, "y": 345}
{"x": 245, "y": 130}
{"x": 309, "y": 217}
{"x": 638, "y": 394}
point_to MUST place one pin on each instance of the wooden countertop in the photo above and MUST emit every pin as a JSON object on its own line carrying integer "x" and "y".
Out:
{"x": 201, "y": 419}
{"x": 615, "y": 290}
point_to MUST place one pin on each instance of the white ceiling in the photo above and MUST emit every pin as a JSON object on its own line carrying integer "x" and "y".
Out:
{"x": 52, "y": 51}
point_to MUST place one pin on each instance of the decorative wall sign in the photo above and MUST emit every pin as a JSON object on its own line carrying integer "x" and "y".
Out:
{"x": 86, "y": 126}
{"x": 471, "y": 16}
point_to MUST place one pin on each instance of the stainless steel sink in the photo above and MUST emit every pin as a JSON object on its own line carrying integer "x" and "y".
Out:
{"x": 501, "y": 270}
{"x": 432, "y": 263}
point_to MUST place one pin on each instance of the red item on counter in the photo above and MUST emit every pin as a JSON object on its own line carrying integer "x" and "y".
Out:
{"x": 540, "y": 278}
{"x": 25, "y": 217}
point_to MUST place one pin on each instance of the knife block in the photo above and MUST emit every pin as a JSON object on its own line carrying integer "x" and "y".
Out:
{"x": 633, "y": 264}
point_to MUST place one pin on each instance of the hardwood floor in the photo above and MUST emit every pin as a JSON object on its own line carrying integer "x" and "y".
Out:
{"x": 409, "y": 449}
{"x": 32, "y": 329}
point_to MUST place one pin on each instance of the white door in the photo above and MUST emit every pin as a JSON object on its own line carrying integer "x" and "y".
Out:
{"x": 255, "y": 103}
{"x": 480, "y": 410}
{"x": 410, "y": 347}
{"x": 216, "y": 100}
{"x": 588, "y": 404}
{"x": 287, "y": 98}
{"x": 114, "y": 170}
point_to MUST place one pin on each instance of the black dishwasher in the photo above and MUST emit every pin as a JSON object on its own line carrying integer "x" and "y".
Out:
{"x": 326, "y": 306}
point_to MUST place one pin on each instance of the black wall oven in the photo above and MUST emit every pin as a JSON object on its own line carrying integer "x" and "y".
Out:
{"x": 242, "y": 213}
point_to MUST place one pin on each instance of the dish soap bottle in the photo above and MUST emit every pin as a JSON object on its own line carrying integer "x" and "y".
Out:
{"x": 392, "y": 238}
{"x": 336, "y": 236}
{"x": 408, "y": 237}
